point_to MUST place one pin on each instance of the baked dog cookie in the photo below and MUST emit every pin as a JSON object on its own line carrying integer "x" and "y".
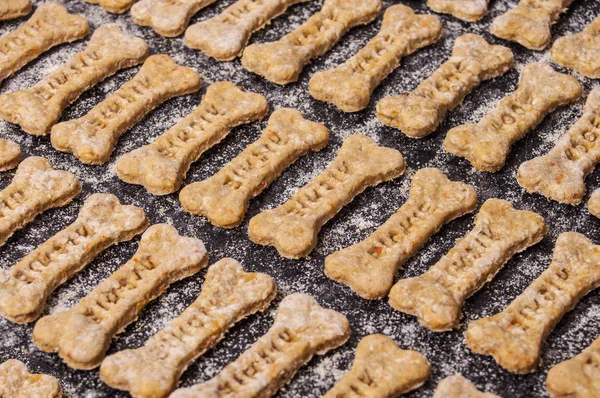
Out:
{"x": 10, "y": 154}
{"x": 350, "y": 85}
{"x": 579, "y": 377}
{"x": 17, "y": 382}
{"x": 14, "y": 9}
{"x": 529, "y": 22}
{"x": 113, "y": 6}
{"x": 560, "y": 174}
{"x": 49, "y": 26}
{"x": 515, "y": 336}
{"x": 419, "y": 113}
{"x": 38, "y": 108}
{"x": 223, "y": 198}
{"x": 369, "y": 267}
{"x": 382, "y": 370}
{"x": 580, "y": 52}
{"x": 92, "y": 138}
{"x": 102, "y": 222}
{"x": 293, "y": 227}
{"x": 436, "y": 297}
{"x": 35, "y": 188}
{"x": 487, "y": 144}
{"x": 282, "y": 61}
{"x": 467, "y": 10}
{"x": 167, "y": 17}
{"x": 302, "y": 328}
{"x": 161, "y": 166}
{"x": 229, "y": 294}
{"x": 82, "y": 335}
{"x": 594, "y": 203}
{"x": 224, "y": 37}
{"x": 458, "y": 387}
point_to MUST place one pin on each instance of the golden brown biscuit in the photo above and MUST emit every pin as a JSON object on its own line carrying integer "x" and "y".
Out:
{"x": 17, "y": 382}
{"x": 10, "y": 154}
{"x": 113, "y": 6}
{"x": 580, "y": 52}
{"x": 458, "y": 387}
{"x": 467, "y": 10}
{"x": 579, "y": 377}
{"x": 167, "y": 17}
{"x": 594, "y": 203}
{"x": 11, "y": 9}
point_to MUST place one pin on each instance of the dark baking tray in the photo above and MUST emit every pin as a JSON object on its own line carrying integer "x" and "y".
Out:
{"x": 446, "y": 351}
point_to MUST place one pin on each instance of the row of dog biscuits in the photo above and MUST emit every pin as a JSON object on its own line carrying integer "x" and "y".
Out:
{"x": 14, "y": 9}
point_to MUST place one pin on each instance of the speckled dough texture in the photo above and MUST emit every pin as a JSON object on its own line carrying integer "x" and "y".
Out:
{"x": 459, "y": 387}
{"x": 114, "y": 6}
{"x": 167, "y": 17}
{"x": 581, "y": 51}
{"x": 11, "y": 9}
{"x": 17, "y": 382}
{"x": 10, "y": 154}
{"x": 594, "y": 203}
{"x": 467, "y": 10}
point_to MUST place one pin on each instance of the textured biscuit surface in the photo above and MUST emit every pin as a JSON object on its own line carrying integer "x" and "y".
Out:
{"x": 82, "y": 334}
{"x": 459, "y": 387}
{"x": 167, "y": 17}
{"x": 38, "y": 108}
{"x": 93, "y": 137}
{"x": 369, "y": 267}
{"x": 515, "y": 336}
{"x": 580, "y": 52}
{"x": 487, "y": 144}
{"x": 102, "y": 222}
{"x": 436, "y": 297}
{"x": 11, "y": 9}
{"x": 594, "y": 203}
{"x": 10, "y": 153}
{"x": 467, "y": 10}
{"x": 17, "y": 382}
{"x": 293, "y": 227}
{"x": 282, "y": 61}
{"x": 419, "y": 113}
{"x": 229, "y": 294}
{"x": 114, "y": 6}
{"x": 302, "y": 329}
{"x": 161, "y": 166}
{"x": 223, "y": 198}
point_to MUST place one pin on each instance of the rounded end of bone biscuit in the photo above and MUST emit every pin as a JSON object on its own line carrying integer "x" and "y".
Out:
{"x": 155, "y": 172}
{"x": 414, "y": 115}
{"x": 532, "y": 33}
{"x": 277, "y": 62}
{"x": 348, "y": 92}
{"x": 221, "y": 41}
{"x": 294, "y": 237}
{"x": 20, "y": 304}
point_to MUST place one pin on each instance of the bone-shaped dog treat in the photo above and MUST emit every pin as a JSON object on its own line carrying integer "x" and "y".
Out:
{"x": 381, "y": 370}
{"x": 37, "y": 108}
{"x": 113, "y": 6}
{"x": 224, "y": 197}
{"x": 580, "y": 52}
{"x": 293, "y": 227}
{"x": 93, "y": 137}
{"x": 487, "y": 144}
{"x": 17, "y": 382}
{"x": 102, "y": 222}
{"x": 282, "y": 61}
{"x": 515, "y": 336}
{"x": 458, "y": 387}
{"x": 436, "y": 297}
{"x": 594, "y": 203}
{"x": 529, "y": 22}
{"x": 161, "y": 166}
{"x": 224, "y": 37}
{"x": 369, "y": 267}
{"x": 10, "y": 153}
{"x": 302, "y": 329}
{"x": 50, "y": 25}
{"x": 82, "y": 334}
{"x": 14, "y": 9}
{"x": 167, "y": 17}
{"x": 36, "y": 187}
{"x": 467, "y": 10}
{"x": 579, "y": 377}
{"x": 350, "y": 85}
{"x": 229, "y": 294}
{"x": 560, "y": 174}
{"x": 419, "y": 113}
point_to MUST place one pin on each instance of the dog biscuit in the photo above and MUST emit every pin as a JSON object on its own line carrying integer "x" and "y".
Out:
{"x": 419, "y": 113}
{"x": 224, "y": 37}
{"x": 293, "y": 227}
{"x": 229, "y": 294}
{"x": 113, "y": 6}
{"x": 49, "y": 26}
{"x": 436, "y": 297}
{"x": 35, "y": 188}
{"x": 350, "y": 85}
{"x": 302, "y": 328}
{"x": 167, "y": 17}
{"x": 529, "y": 22}
{"x": 102, "y": 222}
{"x": 14, "y": 9}
{"x": 223, "y": 198}
{"x": 560, "y": 174}
{"x": 17, "y": 382}
{"x": 580, "y": 52}
{"x": 82, "y": 334}
{"x": 282, "y": 61}
{"x": 515, "y": 336}
{"x": 93, "y": 137}
{"x": 594, "y": 203}
{"x": 458, "y": 387}
{"x": 578, "y": 377}
{"x": 38, "y": 108}
{"x": 467, "y": 10}
{"x": 10, "y": 154}
{"x": 161, "y": 166}
{"x": 487, "y": 144}
{"x": 369, "y": 267}
{"x": 381, "y": 370}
